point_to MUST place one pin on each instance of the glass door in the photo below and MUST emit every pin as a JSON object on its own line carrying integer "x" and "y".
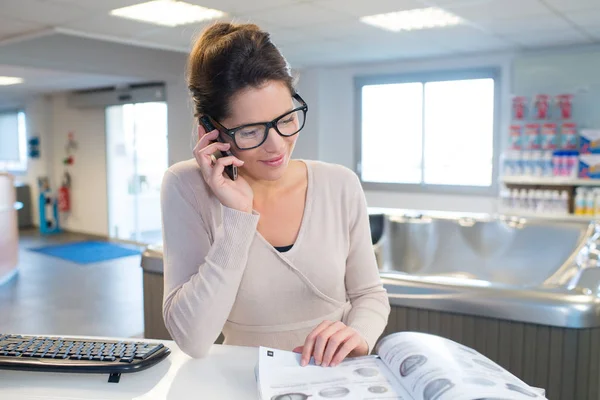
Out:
{"x": 137, "y": 159}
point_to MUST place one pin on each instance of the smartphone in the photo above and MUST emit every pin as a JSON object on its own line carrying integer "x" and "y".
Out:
{"x": 230, "y": 170}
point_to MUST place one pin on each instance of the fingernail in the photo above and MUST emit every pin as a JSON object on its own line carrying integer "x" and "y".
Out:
{"x": 333, "y": 364}
{"x": 325, "y": 364}
{"x": 317, "y": 362}
{"x": 303, "y": 362}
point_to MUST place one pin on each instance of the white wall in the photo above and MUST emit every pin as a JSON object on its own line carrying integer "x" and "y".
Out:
{"x": 38, "y": 123}
{"x": 336, "y": 124}
{"x": 89, "y": 212}
{"x": 180, "y": 120}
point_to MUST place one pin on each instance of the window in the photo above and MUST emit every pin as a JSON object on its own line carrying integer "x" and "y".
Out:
{"x": 13, "y": 138}
{"x": 428, "y": 132}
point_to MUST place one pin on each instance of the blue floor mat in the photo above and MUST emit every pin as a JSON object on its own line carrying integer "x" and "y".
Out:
{"x": 88, "y": 252}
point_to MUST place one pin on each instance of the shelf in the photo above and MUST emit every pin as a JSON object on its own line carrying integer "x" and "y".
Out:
{"x": 549, "y": 217}
{"x": 532, "y": 180}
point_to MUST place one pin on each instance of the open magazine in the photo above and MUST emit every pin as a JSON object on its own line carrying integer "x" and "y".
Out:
{"x": 409, "y": 366}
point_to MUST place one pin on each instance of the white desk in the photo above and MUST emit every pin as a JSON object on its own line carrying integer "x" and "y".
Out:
{"x": 227, "y": 373}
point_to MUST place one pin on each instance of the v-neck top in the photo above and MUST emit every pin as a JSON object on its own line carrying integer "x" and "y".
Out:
{"x": 221, "y": 275}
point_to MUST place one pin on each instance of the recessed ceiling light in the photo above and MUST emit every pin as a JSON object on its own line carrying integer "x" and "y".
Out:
{"x": 10, "y": 80}
{"x": 167, "y": 12}
{"x": 422, "y": 18}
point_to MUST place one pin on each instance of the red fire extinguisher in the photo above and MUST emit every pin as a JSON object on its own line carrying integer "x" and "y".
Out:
{"x": 64, "y": 198}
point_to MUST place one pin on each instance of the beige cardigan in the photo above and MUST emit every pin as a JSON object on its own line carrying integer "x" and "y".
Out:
{"x": 222, "y": 275}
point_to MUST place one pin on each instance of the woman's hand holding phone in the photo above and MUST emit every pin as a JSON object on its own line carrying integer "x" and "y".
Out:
{"x": 236, "y": 194}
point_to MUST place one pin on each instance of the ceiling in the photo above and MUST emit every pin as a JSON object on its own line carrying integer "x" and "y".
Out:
{"x": 325, "y": 32}
{"x": 38, "y": 80}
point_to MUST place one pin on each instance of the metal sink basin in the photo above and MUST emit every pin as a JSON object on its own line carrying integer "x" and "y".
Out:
{"x": 528, "y": 270}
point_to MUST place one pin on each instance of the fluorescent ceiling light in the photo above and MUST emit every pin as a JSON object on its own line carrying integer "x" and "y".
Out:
{"x": 10, "y": 80}
{"x": 422, "y": 18}
{"x": 167, "y": 12}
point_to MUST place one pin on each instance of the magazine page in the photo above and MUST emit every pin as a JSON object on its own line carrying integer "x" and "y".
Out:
{"x": 280, "y": 377}
{"x": 434, "y": 368}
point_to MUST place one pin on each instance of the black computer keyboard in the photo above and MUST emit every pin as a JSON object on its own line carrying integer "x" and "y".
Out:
{"x": 62, "y": 354}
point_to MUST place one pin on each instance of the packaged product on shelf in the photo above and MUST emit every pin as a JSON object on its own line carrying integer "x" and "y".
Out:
{"x": 519, "y": 107}
{"x": 532, "y": 137}
{"x": 515, "y": 142}
{"x": 532, "y": 201}
{"x": 527, "y": 164}
{"x": 564, "y": 202}
{"x": 590, "y": 202}
{"x": 589, "y": 141}
{"x": 511, "y": 163}
{"x": 524, "y": 200}
{"x": 565, "y": 163}
{"x": 537, "y": 162}
{"x": 564, "y": 103}
{"x": 548, "y": 168}
{"x": 555, "y": 202}
{"x": 547, "y": 204}
{"x": 549, "y": 136}
{"x": 589, "y": 166}
{"x": 568, "y": 136}
{"x": 541, "y": 106}
{"x": 597, "y": 202}
{"x": 571, "y": 164}
{"x": 580, "y": 201}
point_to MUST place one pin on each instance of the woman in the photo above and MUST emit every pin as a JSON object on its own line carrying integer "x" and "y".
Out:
{"x": 281, "y": 256}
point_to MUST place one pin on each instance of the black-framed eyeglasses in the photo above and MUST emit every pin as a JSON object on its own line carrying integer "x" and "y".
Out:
{"x": 251, "y": 136}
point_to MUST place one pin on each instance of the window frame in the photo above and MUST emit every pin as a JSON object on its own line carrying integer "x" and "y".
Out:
{"x": 424, "y": 77}
{"x": 25, "y": 162}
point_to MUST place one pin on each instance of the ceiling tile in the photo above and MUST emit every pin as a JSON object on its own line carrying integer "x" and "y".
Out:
{"x": 443, "y": 3}
{"x": 546, "y": 22}
{"x": 237, "y": 7}
{"x": 586, "y": 19}
{"x": 350, "y": 29}
{"x": 301, "y": 14}
{"x": 100, "y": 5}
{"x": 38, "y": 11}
{"x": 180, "y": 37}
{"x": 10, "y": 27}
{"x": 550, "y": 38}
{"x": 112, "y": 26}
{"x": 573, "y": 5}
{"x": 466, "y": 38}
{"x": 370, "y": 7}
{"x": 497, "y": 9}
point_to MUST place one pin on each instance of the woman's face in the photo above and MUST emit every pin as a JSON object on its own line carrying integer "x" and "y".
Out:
{"x": 270, "y": 160}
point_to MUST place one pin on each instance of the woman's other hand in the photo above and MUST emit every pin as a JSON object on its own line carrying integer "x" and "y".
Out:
{"x": 330, "y": 343}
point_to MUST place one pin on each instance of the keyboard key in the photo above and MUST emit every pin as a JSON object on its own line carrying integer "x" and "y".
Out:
{"x": 109, "y": 358}
{"x": 126, "y": 359}
{"x": 75, "y": 357}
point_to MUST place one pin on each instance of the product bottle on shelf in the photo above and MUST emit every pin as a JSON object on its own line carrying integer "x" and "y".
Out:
{"x": 514, "y": 199}
{"x": 580, "y": 201}
{"x": 539, "y": 201}
{"x": 555, "y": 202}
{"x": 547, "y": 201}
{"x": 523, "y": 200}
{"x": 531, "y": 201}
{"x": 548, "y": 172}
{"x": 564, "y": 202}
{"x": 597, "y": 202}
{"x": 590, "y": 204}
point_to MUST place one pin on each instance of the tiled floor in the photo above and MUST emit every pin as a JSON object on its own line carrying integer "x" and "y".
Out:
{"x": 56, "y": 297}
